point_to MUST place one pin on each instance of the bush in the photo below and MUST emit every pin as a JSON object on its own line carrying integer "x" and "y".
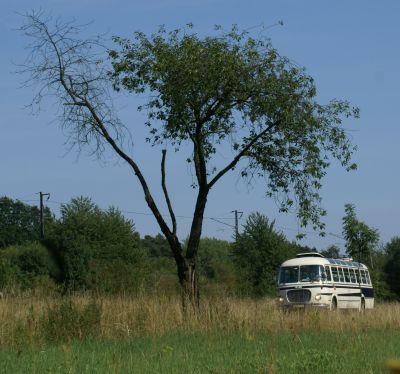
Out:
{"x": 258, "y": 253}
{"x": 86, "y": 241}
{"x": 67, "y": 321}
{"x": 32, "y": 259}
{"x": 118, "y": 277}
{"x": 24, "y": 266}
{"x": 10, "y": 275}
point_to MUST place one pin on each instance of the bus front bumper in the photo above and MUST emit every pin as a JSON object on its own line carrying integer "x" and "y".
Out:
{"x": 294, "y": 306}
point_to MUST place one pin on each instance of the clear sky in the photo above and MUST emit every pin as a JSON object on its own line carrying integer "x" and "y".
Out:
{"x": 351, "y": 48}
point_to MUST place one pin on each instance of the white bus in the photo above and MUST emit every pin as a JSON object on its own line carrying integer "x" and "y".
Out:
{"x": 311, "y": 279}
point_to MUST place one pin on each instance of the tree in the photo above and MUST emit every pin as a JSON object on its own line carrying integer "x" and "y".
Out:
{"x": 258, "y": 253}
{"x": 392, "y": 266}
{"x": 216, "y": 268}
{"x": 360, "y": 238}
{"x": 156, "y": 246}
{"x": 333, "y": 251}
{"x": 93, "y": 247}
{"x": 19, "y": 222}
{"x": 215, "y": 259}
{"x": 228, "y": 91}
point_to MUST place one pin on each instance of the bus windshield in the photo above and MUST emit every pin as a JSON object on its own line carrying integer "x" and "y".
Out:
{"x": 304, "y": 273}
{"x": 310, "y": 273}
{"x": 289, "y": 274}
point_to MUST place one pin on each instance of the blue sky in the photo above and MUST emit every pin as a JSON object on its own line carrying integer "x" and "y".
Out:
{"x": 350, "y": 47}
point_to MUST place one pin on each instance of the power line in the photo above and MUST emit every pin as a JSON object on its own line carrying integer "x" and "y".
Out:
{"x": 217, "y": 219}
{"x": 223, "y": 223}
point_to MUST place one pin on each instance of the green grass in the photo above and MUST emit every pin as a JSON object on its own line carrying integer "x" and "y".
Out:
{"x": 217, "y": 352}
{"x": 152, "y": 335}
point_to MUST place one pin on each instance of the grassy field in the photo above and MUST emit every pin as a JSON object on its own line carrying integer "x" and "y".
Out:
{"x": 151, "y": 335}
{"x": 220, "y": 352}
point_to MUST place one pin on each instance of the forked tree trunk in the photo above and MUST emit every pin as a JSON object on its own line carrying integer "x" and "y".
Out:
{"x": 187, "y": 268}
{"x": 187, "y": 275}
{"x": 188, "y": 279}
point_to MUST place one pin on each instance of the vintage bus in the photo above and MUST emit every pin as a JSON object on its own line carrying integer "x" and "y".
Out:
{"x": 313, "y": 280}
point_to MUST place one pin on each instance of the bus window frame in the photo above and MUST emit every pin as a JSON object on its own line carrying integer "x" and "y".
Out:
{"x": 368, "y": 277}
{"x": 346, "y": 273}
{"x": 328, "y": 273}
{"x": 364, "y": 279}
{"x": 358, "y": 275}
{"x": 341, "y": 275}
{"x": 335, "y": 273}
{"x": 353, "y": 277}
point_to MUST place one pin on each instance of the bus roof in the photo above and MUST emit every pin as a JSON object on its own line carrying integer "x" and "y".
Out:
{"x": 318, "y": 260}
{"x": 310, "y": 254}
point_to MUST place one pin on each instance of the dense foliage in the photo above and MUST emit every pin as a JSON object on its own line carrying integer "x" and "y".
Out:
{"x": 360, "y": 238}
{"x": 392, "y": 265}
{"x": 89, "y": 249}
{"x": 258, "y": 253}
{"x": 95, "y": 249}
{"x": 19, "y": 222}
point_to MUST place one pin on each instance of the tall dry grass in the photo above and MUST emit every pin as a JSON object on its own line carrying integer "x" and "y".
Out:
{"x": 22, "y": 318}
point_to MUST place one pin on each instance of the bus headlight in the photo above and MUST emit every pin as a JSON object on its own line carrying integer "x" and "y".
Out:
{"x": 318, "y": 297}
{"x": 280, "y": 300}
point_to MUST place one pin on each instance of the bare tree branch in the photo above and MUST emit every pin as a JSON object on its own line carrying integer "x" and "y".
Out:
{"x": 242, "y": 153}
{"x": 164, "y": 187}
{"x": 66, "y": 69}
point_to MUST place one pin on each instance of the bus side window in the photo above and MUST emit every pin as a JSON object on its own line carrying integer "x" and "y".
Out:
{"x": 335, "y": 275}
{"x": 341, "y": 276}
{"x": 368, "y": 277}
{"x": 346, "y": 275}
{"x": 358, "y": 278}
{"x": 328, "y": 273}
{"x": 352, "y": 276}
{"x": 363, "y": 277}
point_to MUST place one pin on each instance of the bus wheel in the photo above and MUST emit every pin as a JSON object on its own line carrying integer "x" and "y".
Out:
{"x": 362, "y": 307}
{"x": 334, "y": 304}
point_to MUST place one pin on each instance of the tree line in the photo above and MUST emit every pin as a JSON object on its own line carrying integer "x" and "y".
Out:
{"x": 87, "y": 249}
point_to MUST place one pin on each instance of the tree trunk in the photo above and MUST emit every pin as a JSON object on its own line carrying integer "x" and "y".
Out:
{"x": 188, "y": 279}
{"x": 187, "y": 268}
{"x": 187, "y": 262}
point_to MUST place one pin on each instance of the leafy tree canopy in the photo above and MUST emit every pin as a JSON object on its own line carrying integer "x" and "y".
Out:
{"x": 86, "y": 236}
{"x": 215, "y": 259}
{"x": 258, "y": 253}
{"x": 156, "y": 246}
{"x": 361, "y": 239}
{"x": 19, "y": 222}
{"x": 235, "y": 89}
{"x": 392, "y": 265}
{"x": 333, "y": 251}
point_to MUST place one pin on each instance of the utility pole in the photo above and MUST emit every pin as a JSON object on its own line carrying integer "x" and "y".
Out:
{"x": 42, "y": 213}
{"x": 237, "y": 217}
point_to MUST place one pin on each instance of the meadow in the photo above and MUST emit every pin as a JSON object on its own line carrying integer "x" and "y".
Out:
{"x": 151, "y": 334}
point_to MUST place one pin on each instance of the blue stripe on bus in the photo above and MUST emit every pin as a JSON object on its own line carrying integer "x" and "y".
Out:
{"x": 368, "y": 292}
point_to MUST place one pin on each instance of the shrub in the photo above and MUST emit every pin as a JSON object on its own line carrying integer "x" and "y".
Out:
{"x": 10, "y": 275}
{"x": 22, "y": 266}
{"x": 117, "y": 277}
{"x": 67, "y": 321}
{"x": 87, "y": 240}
